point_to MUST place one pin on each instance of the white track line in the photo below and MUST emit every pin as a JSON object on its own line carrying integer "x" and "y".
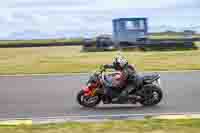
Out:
{"x": 101, "y": 116}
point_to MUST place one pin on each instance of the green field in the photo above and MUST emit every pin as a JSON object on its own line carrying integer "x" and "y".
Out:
{"x": 70, "y": 59}
{"x": 142, "y": 126}
{"x": 37, "y": 42}
{"x": 166, "y": 36}
{"x": 79, "y": 40}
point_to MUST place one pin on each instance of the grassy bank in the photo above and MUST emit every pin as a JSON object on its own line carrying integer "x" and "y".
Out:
{"x": 69, "y": 59}
{"x": 145, "y": 126}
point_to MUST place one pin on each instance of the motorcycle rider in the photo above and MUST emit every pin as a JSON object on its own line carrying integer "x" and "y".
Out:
{"x": 123, "y": 72}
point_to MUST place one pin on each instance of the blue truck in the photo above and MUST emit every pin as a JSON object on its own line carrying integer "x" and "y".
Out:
{"x": 133, "y": 32}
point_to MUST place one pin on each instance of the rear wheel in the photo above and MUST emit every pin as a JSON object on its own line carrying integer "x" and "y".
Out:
{"x": 88, "y": 101}
{"x": 151, "y": 95}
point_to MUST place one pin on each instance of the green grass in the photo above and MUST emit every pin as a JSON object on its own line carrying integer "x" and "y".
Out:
{"x": 143, "y": 126}
{"x": 49, "y": 41}
{"x": 166, "y": 36}
{"x": 170, "y": 36}
{"x": 37, "y": 42}
{"x": 69, "y": 59}
{"x": 197, "y": 44}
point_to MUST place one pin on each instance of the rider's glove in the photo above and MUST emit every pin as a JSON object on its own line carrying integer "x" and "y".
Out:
{"x": 107, "y": 66}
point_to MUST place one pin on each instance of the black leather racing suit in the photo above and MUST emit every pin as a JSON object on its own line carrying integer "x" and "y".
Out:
{"x": 127, "y": 72}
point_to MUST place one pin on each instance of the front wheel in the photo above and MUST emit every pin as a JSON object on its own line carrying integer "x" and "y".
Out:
{"x": 151, "y": 95}
{"x": 87, "y": 101}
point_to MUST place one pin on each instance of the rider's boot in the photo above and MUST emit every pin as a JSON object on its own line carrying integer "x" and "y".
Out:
{"x": 107, "y": 100}
{"x": 108, "y": 95}
{"x": 123, "y": 97}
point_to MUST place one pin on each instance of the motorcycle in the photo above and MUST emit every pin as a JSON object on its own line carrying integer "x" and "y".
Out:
{"x": 145, "y": 90}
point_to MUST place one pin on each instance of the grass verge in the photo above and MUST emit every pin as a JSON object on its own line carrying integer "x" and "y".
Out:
{"x": 69, "y": 59}
{"x": 143, "y": 126}
{"x": 38, "y": 42}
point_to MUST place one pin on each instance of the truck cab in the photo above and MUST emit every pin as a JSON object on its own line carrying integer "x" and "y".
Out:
{"x": 130, "y": 30}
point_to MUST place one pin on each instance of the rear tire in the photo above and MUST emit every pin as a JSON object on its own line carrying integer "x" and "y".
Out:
{"x": 151, "y": 95}
{"x": 82, "y": 100}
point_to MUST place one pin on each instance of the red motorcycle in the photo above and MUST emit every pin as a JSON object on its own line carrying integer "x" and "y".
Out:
{"x": 144, "y": 89}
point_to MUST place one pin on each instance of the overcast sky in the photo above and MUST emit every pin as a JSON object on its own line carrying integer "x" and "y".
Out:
{"x": 26, "y": 19}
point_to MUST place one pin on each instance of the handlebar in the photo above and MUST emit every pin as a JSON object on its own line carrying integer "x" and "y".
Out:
{"x": 102, "y": 76}
{"x": 102, "y": 70}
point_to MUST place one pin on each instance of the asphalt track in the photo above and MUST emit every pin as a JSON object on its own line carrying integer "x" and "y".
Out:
{"x": 51, "y": 96}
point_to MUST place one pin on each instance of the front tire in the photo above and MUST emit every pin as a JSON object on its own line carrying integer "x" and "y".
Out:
{"x": 151, "y": 95}
{"x": 87, "y": 101}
